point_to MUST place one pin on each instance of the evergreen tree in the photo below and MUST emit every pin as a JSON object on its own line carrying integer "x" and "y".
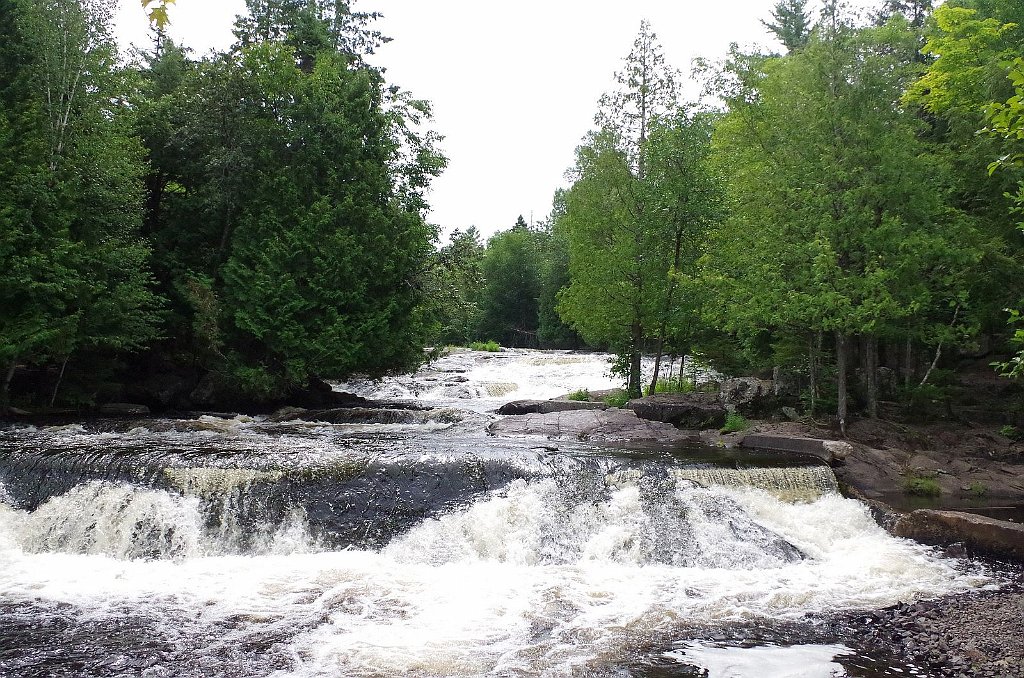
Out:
{"x": 791, "y": 24}
{"x": 75, "y": 274}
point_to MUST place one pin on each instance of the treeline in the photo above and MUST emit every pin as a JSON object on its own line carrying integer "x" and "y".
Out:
{"x": 843, "y": 207}
{"x": 236, "y": 224}
{"x": 501, "y": 291}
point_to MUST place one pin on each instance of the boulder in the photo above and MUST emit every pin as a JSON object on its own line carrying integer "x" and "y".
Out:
{"x": 612, "y": 425}
{"x": 547, "y": 406}
{"x": 683, "y": 410}
{"x": 978, "y": 533}
{"x": 123, "y": 409}
{"x": 748, "y": 395}
{"x": 320, "y": 394}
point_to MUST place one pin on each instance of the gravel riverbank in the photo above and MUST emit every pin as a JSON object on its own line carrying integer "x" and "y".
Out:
{"x": 978, "y": 634}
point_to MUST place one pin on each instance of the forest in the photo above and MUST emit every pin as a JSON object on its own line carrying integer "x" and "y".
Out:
{"x": 234, "y": 227}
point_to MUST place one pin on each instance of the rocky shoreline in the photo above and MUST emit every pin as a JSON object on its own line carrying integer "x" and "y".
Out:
{"x": 968, "y": 635}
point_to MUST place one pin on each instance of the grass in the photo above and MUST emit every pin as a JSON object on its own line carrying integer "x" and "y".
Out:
{"x": 1011, "y": 432}
{"x": 582, "y": 394}
{"x": 617, "y": 399}
{"x": 489, "y": 346}
{"x": 922, "y": 486}
{"x": 977, "y": 490}
{"x": 672, "y": 386}
{"x": 735, "y": 423}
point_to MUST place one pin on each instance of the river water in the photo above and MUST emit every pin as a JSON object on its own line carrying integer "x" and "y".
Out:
{"x": 216, "y": 546}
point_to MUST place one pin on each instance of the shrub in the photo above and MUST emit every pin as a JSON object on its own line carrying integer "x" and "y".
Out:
{"x": 489, "y": 346}
{"x": 618, "y": 399}
{"x": 1011, "y": 432}
{"x": 922, "y": 486}
{"x": 734, "y": 423}
{"x": 672, "y": 386}
{"x": 582, "y": 394}
{"x": 977, "y": 490}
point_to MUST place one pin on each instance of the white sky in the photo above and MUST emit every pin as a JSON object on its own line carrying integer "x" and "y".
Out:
{"x": 514, "y": 85}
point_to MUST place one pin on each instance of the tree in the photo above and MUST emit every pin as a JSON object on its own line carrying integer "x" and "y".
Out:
{"x": 791, "y": 25}
{"x": 616, "y": 258}
{"x": 288, "y": 205}
{"x": 76, "y": 273}
{"x": 853, "y": 238}
{"x": 453, "y": 288}
{"x": 1006, "y": 120}
{"x": 511, "y": 286}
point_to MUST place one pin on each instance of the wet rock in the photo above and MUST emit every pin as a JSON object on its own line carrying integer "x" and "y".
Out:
{"x": 123, "y": 409}
{"x": 978, "y": 533}
{"x": 683, "y": 410}
{"x": 611, "y": 425}
{"x": 517, "y": 407}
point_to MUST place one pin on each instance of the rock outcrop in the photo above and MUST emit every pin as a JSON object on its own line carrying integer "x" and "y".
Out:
{"x": 978, "y": 533}
{"x": 548, "y": 406}
{"x": 684, "y": 410}
{"x": 748, "y": 395}
{"x": 607, "y": 426}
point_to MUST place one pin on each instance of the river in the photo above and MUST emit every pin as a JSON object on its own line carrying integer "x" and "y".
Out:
{"x": 245, "y": 546}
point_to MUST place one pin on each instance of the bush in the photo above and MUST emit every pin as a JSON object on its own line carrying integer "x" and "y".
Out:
{"x": 618, "y": 399}
{"x": 734, "y": 423}
{"x": 672, "y": 386}
{"x": 977, "y": 490}
{"x": 582, "y": 394}
{"x": 489, "y": 346}
{"x": 1011, "y": 432}
{"x": 922, "y": 486}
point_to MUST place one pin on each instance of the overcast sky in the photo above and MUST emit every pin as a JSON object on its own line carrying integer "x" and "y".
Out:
{"x": 514, "y": 84}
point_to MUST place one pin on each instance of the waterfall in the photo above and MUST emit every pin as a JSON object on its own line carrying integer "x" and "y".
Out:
{"x": 788, "y": 483}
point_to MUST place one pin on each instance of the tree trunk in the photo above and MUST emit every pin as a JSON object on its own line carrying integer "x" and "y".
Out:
{"x": 871, "y": 373}
{"x": 657, "y": 363}
{"x": 908, "y": 364}
{"x": 5, "y": 386}
{"x": 633, "y": 384}
{"x": 841, "y": 341}
{"x": 815, "y": 349}
{"x": 60, "y": 378}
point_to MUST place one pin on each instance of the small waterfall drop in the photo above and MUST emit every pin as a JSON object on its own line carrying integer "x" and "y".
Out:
{"x": 130, "y": 523}
{"x": 788, "y": 483}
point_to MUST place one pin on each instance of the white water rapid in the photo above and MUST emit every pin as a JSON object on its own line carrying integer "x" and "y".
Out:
{"x": 548, "y": 575}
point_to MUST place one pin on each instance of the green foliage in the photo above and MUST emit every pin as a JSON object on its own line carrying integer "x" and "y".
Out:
{"x": 922, "y": 486}
{"x": 453, "y": 283}
{"x": 681, "y": 385}
{"x": 489, "y": 346}
{"x": 286, "y": 205}
{"x": 636, "y": 217}
{"x": 1011, "y": 432}
{"x": 511, "y": 286}
{"x": 581, "y": 395}
{"x": 977, "y": 489}
{"x": 618, "y": 399}
{"x": 791, "y": 23}
{"x": 734, "y": 423}
{"x": 75, "y": 283}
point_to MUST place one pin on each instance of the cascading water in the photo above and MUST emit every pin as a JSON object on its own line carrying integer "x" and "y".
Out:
{"x": 249, "y": 548}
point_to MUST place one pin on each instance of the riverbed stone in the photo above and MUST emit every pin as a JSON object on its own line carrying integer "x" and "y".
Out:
{"x": 979, "y": 533}
{"x": 123, "y": 409}
{"x": 547, "y": 406}
{"x": 683, "y": 410}
{"x": 612, "y": 425}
